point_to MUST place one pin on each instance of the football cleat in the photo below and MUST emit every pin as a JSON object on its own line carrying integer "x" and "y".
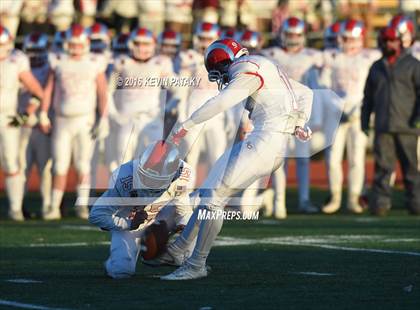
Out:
{"x": 16, "y": 216}
{"x": 51, "y": 214}
{"x": 169, "y": 258}
{"x": 308, "y": 207}
{"x": 186, "y": 272}
{"x": 82, "y": 212}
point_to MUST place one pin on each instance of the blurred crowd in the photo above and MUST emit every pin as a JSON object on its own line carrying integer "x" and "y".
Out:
{"x": 73, "y": 92}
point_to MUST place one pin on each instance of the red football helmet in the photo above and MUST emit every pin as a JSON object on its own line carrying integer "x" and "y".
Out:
{"x": 35, "y": 45}
{"x": 77, "y": 41}
{"x": 6, "y": 42}
{"x": 292, "y": 33}
{"x": 219, "y": 56}
{"x": 351, "y": 37}
{"x": 169, "y": 42}
{"x": 120, "y": 44}
{"x": 331, "y": 34}
{"x": 251, "y": 40}
{"x": 204, "y": 35}
{"x": 142, "y": 44}
{"x": 99, "y": 38}
{"x": 405, "y": 27}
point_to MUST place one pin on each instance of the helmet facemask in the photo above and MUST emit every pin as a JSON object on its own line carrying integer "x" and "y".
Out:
{"x": 141, "y": 50}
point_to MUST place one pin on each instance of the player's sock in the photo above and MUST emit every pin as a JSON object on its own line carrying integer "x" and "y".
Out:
{"x": 83, "y": 192}
{"x": 302, "y": 167}
{"x": 208, "y": 231}
{"x": 188, "y": 235}
{"x": 45, "y": 187}
{"x": 56, "y": 198}
{"x": 15, "y": 187}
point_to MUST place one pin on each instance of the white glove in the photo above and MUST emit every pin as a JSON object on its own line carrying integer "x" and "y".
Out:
{"x": 303, "y": 134}
{"x": 101, "y": 129}
{"x": 44, "y": 121}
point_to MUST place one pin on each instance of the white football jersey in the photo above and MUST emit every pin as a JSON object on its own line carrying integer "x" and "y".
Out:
{"x": 346, "y": 75}
{"x": 277, "y": 104}
{"x": 301, "y": 66}
{"x": 10, "y": 69}
{"x": 75, "y": 84}
{"x": 137, "y": 84}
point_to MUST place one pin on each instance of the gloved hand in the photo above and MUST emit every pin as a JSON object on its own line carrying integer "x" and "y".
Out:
{"x": 303, "y": 134}
{"x": 44, "y": 122}
{"x": 137, "y": 218}
{"x": 101, "y": 129}
{"x": 23, "y": 119}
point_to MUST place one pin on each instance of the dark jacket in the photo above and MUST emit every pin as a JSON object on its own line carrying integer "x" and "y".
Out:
{"x": 393, "y": 94}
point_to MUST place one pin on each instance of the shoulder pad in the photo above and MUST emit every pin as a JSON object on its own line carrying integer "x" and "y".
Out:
{"x": 242, "y": 65}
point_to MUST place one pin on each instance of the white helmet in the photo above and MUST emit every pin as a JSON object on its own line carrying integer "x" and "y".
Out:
{"x": 158, "y": 164}
{"x": 35, "y": 45}
{"x": 99, "y": 38}
{"x": 77, "y": 41}
{"x": 169, "y": 42}
{"x": 6, "y": 42}
{"x": 142, "y": 44}
{"x": 292, "y": 33}
{"x": 205, "y": 34}
{"x": 351, "y": 35}
{"x": 251, "y": 40}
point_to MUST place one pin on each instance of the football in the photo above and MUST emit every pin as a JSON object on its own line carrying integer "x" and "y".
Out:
{"x": 154, "y": 240}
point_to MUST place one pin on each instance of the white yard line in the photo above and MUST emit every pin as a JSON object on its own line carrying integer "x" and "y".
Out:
{"x": 229, "y": 241}
{"x": 64, "y": 245}
{"x": 16, "y": 304}
{"x": 23, "y": 281}
{"x": 325, "y": 242}
{"x": 313, "y": 273}
{"x": 80, "y": 227}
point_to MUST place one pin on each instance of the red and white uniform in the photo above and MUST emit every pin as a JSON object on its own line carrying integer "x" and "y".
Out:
{"x": 138, "y": 105}
{"x": 346, "y": 75}
{"x": 277, "y": 104}
{"x": 74, "y": 105}
{"x": 10, "y": 69}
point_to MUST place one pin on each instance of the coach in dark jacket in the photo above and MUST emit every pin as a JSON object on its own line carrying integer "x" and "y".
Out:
{"x": 392, "y": 93}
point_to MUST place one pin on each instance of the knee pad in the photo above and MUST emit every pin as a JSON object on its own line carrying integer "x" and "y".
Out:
{"x": 121, "y": 269}
{"x": 60, "y": 167}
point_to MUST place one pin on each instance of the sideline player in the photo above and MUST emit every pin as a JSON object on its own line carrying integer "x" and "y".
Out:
{"x": 36, "y": 146}
{"x": 14, "y": 68}
{"x": 78, "y": 88}
{"x": 346, "y": 76}
{"x": 280, "y": 108}
{"x": 158, "y": 176}
{"x": 301, "y": 64}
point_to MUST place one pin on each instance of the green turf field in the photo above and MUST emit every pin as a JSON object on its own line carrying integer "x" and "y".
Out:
{"x": 305, "y": 262}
